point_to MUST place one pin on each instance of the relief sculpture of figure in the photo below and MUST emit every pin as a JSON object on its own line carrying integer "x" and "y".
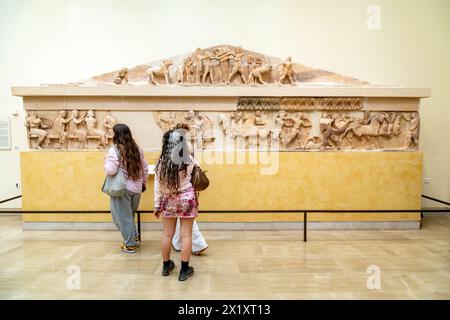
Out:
{"x": 249, "y": 131}
{"x": 108, "y": 123}
{"x": 251, "y": 62}
{"x": 179, "y": 75}
{"x": 412, "y": 137}
{"x": 290, "y": 132}
{"x": 163, "y": 71}
{"x": 218, "y": 75}
{"x": 287, "y": 71}
{"x": 390, "y": 118}
{"x": 293, "y": 130}
{"x": 35, "y": 126}
{"x": 189, "y": 120}
{"x": 121, "y": 76}
{"x": 327, "y": 129}
{"x": 237, "y": 129}
{"x": 224, "y": 55}
{"x": 303, "y": 125}
{"x": 184, "y": 75}
{"x": 59, "y": 128}
{"x": 335, "y": 128}
{"x": 383, "y": 132}
{"x": 92, "y": 131}
{"x": 262, "y": 131}
{"x": 345, "y": 122}
{"x": 237, "y": 67}
{"x": 396, "y": 125}
{"x": 276, "y": 130}
{"x": 197, "y": 63}
{"x": 366, "y": 118}
{"x": 256, "y": 74}
{"x": 204, "y": 128}
{"x": 167, "y": 120}
{"x": 74, "y": 131}
{"x": 313, "y": 142}
{"x": 226, "y": 123}
{"x": 208, "y": 70}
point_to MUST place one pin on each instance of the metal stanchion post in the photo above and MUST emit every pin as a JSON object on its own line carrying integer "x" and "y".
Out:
{"x": 305, "y": 220}
{"x": 139, "y": 224}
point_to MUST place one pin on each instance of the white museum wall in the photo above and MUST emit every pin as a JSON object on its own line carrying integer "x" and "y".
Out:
{"x": 66, "y": 40}
{"x": 10, "y": 160}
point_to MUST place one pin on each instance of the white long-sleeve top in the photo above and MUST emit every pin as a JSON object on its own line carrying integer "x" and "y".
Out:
{"x": 185, "y": 182}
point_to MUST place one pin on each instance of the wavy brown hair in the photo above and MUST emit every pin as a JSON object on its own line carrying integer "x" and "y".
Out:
{"x": 130, "y": 154}
{"x": 174, "y": 159}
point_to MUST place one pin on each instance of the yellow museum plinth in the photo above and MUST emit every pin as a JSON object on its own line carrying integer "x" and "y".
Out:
{"x": 287, "y": 180}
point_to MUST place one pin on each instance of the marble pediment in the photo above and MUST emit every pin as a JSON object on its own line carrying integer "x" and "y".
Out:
{"x": 221, "y": 62}
{"x": 218, "y": 72}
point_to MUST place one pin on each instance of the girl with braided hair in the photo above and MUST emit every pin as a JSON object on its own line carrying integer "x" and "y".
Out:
{"x": 175, "y": 198}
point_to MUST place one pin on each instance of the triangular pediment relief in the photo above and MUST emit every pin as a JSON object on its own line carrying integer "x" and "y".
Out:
{"x": 221, "y": 65}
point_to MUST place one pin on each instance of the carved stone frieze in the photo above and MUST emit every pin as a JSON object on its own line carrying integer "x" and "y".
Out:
{"x": 287, "y": 130}
{"x": 372, "y": 130}
{"x": 258, "y": 128}
{"x": 299, "y": 103}
{"x": 201, "y": 127}
{"x": 69, "y": 129}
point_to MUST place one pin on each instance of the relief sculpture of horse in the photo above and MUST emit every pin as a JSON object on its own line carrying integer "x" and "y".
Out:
{"x": 370, "y": 132}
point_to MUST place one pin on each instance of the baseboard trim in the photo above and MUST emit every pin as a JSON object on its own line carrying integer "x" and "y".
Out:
{"x": 313, "y": 225}
{"x": 434, "y": 214}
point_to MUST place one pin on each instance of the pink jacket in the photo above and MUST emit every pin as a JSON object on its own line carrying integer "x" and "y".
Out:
{"x": 112, "y": 165}
{"x": 185, "y": 182}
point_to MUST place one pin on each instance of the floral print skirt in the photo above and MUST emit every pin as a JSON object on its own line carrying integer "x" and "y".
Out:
{"x": 183, "y": 204}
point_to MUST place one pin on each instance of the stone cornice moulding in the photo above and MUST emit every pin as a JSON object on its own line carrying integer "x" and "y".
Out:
{"x": 223, "y": 91}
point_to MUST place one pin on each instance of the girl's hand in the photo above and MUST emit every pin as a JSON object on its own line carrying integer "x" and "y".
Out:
{"x": 156, "y": 213}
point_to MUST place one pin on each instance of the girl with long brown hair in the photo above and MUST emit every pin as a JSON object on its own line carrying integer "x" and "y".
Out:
{"x": 175, "y": 198}
{"x": 127, "y": 156}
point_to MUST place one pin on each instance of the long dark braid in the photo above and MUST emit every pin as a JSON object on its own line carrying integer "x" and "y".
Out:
{"x": 173, "y": 159}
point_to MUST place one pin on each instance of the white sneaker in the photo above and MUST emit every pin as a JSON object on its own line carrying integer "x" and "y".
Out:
{"x": 197, "y": 253}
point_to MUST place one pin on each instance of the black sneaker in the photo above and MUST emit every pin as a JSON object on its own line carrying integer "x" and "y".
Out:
{"x": 166, "y": 270}
{"x": 184, "y": 275}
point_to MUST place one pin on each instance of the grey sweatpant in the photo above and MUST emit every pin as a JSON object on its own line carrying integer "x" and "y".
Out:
{"x": 123, "y": 209}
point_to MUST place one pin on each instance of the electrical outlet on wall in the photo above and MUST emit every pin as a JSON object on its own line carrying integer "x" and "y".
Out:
{"x": 427, "y": 180}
